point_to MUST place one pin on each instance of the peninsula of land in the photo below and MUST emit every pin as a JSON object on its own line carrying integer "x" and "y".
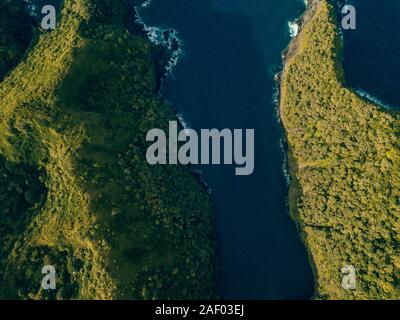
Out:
{"x": 344, "y": 160}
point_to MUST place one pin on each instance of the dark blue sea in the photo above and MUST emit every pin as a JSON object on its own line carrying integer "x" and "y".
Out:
{"x": 39, "y": 4}
{"x": 232, "y": 50}
{"x": 372, "y": 51}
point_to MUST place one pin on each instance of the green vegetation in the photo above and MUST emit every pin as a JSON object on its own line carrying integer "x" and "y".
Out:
{"x": 345, "y": 162}
{"x": 77, "y": 192}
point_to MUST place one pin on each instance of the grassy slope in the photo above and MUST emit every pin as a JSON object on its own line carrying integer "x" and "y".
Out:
{"x": 345, "y": 162}
{"x": 73, "y": 119}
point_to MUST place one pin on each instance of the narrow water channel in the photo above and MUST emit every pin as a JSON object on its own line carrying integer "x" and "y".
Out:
{"x": 225, "y": 79}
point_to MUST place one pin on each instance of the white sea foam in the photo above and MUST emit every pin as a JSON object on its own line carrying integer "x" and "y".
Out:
{"x": 183, "y": 122}
{"x": 204, "y": 182}
{"x": 285, "y": 164}
{"x": 276, "y": 98}
{"x": 373, "y": 99}
{"x": 32, "y": 9}
{"x": 275, "y": 95}
{"x": 146, "y": 4}
{"x": 293, "y": 28}
{"x": 168, "y": 38}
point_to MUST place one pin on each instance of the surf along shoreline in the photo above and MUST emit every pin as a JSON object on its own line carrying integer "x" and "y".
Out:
{"x": 292, "y": 166}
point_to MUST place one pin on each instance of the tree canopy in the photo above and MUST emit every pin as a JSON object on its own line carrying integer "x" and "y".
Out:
{"x": 345, "y": 163}
{"x": 77, "y": 192}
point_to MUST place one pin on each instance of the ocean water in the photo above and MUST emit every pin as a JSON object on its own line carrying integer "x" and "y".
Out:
{"x": 225, "y": 79}
{"x": 37, "y": 5}
{"x": 372, "y": 51}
